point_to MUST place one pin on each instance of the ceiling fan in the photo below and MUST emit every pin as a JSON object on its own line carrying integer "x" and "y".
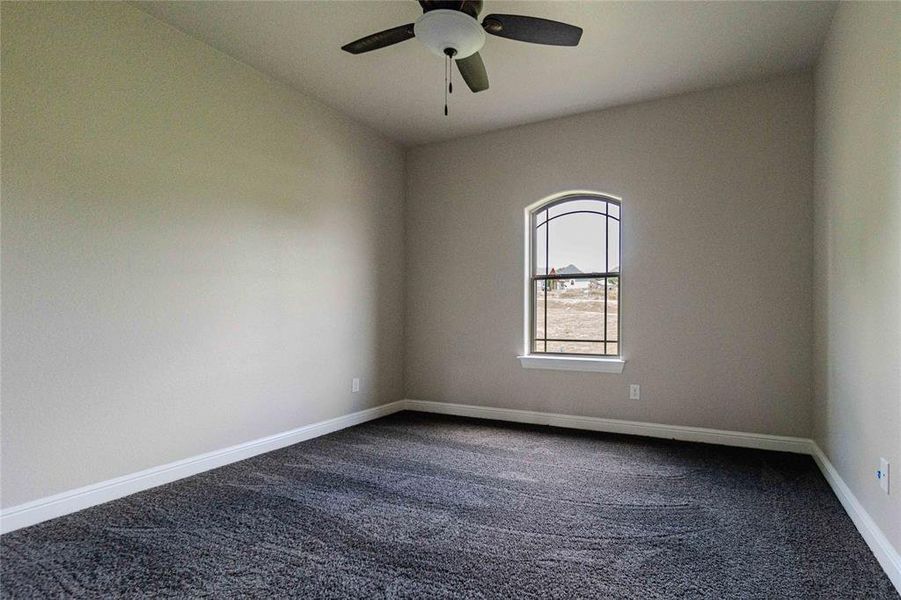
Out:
{"x": 450, "y": 29}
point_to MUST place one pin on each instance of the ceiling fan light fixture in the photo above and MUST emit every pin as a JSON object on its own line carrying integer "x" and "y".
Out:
{"x": 441, "y": 30}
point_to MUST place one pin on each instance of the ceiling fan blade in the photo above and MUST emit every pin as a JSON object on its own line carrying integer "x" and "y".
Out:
{"x": 532, "y": 29}
{"x": 380, "y": 39}
{"x": 473, "y": 71}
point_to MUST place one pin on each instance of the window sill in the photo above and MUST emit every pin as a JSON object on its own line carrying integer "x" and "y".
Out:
{"x": 572, "y": 363}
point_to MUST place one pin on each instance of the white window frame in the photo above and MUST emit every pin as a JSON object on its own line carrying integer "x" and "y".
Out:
{"x": 563, "y": 362}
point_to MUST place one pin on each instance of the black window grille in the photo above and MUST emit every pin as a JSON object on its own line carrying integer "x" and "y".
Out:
{"x": 576, "y": 308}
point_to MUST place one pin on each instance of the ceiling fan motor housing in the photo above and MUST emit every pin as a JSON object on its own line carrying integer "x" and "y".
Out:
{"x": 442, "y": 30}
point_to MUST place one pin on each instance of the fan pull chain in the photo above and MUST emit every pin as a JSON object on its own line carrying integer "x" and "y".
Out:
{"x": 446, "y": 82}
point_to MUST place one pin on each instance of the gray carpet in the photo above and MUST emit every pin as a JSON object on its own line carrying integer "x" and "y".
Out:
{"x": 421, "y": 506}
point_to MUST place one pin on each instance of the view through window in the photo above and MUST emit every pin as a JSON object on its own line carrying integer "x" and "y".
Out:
{"x": 575, "y": 277}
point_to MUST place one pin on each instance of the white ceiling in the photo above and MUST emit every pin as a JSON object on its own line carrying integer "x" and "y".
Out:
{"x": 630, "y": 51}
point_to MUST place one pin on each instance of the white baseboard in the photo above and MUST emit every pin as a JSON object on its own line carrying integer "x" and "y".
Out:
{"x": 656, "y": 430}
{"x": 58, "y": 505}
{"x": 885, "y": 553}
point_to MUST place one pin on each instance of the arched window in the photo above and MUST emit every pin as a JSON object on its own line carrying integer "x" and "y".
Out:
{"x": 574, "y": 277}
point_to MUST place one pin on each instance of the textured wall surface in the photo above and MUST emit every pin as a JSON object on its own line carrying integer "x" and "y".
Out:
{"x": 858, "y": 253}
{"x": 193, "y": 256}
{"x": 717, "y": 244}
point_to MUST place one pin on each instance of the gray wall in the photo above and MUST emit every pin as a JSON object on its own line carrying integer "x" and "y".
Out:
{"x": 717, "y": 244}
{"x": 858, "y": 253}
{"x": 193, "y": 256}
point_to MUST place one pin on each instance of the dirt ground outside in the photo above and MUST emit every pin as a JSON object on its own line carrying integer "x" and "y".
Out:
{"x": 577, "y": 313}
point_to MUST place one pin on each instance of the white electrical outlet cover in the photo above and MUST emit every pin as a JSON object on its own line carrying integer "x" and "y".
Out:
{"x": 884, "y": 473}
{"x": 634, "y": 392}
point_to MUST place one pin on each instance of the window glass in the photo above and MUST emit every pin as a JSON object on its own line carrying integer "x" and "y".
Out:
{"x": 539, "y": 244}
{"x": 598, "y": 206}
{"x": 577, "y": 243}
{"x": 612, "y": 246}
{"x": 575, "y": 277}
